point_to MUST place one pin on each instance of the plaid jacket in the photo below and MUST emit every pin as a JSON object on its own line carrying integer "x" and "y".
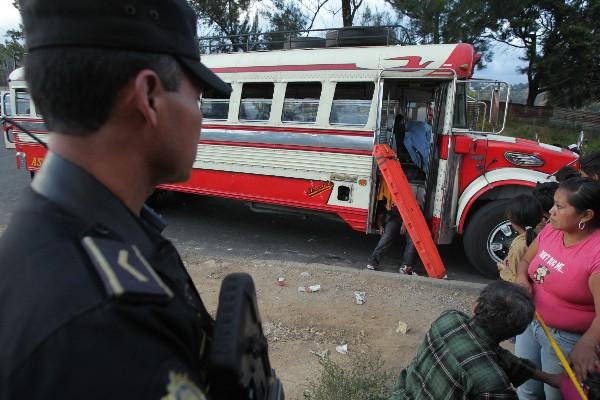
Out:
{"x": 458, "y": 360}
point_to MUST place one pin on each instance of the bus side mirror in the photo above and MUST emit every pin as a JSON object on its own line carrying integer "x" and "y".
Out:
{"x": 576, "y": 147}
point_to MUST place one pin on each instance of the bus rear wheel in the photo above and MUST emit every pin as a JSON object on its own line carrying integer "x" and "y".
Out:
{"x": 488, "y": 237}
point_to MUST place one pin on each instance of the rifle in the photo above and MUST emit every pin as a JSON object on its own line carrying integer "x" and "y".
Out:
{"x": 239, "y": 366}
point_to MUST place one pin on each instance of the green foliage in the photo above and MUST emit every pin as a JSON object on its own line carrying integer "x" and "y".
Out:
{"x": 286, "y": 15}
{"x": 552, "y": 134}
{"x": 231, "y": 20}
{"x": 365, "y": 379}
{"x": 283, "y": 19}
{"x": 560, "y": 40}
{"x": 11, "y": 53}
{"x": 444, "y": 21}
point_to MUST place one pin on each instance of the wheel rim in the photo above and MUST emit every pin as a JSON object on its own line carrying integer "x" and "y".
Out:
{"x": 499, "y": 240}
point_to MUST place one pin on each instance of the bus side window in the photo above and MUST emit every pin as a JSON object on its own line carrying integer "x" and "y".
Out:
{"x": 214, "y": 105}
{"x": 256, "y": 101}
{"x": 351, "y": 103}
{"x": 301, "y": 102}
{"x": 6, "y": 104}
{"x": 460, "y": 107}
{"x": 22, "y": 102}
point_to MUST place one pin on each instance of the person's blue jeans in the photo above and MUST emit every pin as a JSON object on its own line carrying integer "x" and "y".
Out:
{"x": 535, "y": 346}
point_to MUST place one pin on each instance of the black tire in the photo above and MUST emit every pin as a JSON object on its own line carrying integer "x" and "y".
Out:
{"x": 304, "y": 43}
{"x": 488, "y": 237}
{"x": 360, "y": 36}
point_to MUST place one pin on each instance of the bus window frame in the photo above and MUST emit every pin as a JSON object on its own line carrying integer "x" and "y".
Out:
{"x": 303, "y": 100}
{"x": 252, "y": 100}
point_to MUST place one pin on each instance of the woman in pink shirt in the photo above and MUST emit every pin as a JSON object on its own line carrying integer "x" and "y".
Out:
{"x": 562, "y": 269}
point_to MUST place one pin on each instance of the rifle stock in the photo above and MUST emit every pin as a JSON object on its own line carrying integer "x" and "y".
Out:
{"x": 239, "y": 366}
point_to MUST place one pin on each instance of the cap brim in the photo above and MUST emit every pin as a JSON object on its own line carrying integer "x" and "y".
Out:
{"x": 205, "y": 75}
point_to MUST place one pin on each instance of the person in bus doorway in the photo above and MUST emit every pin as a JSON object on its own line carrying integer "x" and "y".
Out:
{"x": 390, "y": 227}
{"x": 416, "y": 141}
{"x": 95, "y": 302}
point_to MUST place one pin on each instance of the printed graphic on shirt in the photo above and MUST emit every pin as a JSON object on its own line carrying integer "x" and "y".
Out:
{"x": 541, "y": 273}
{"x": 552, "y": 262}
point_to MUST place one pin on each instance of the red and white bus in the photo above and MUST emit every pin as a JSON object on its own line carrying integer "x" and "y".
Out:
{"x": 298, "y": 130}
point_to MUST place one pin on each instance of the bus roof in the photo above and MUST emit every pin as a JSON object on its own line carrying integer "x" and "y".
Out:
{"x": 416, "y": 61}
{"x": 419, "y": 61}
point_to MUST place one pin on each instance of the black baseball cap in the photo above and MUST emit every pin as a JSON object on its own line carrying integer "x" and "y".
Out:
{"x": 150, "y": 26}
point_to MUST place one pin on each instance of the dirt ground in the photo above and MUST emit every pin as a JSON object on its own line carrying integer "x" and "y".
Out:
{"x": 300, "y": 325}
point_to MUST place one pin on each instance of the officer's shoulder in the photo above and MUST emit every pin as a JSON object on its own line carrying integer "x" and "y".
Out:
{"x": 123, "y": 270}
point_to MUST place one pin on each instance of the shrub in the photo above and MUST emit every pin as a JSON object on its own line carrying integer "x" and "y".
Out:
{"x": 365, "y": 379}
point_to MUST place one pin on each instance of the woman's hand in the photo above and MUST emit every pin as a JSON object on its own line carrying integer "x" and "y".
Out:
{"x": 502, "y": 265}
{"x": 583, "y": 358}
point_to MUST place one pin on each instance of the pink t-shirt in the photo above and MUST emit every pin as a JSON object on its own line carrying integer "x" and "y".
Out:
{"x": 560, "y": 277}
{"x": 568, "y": 389}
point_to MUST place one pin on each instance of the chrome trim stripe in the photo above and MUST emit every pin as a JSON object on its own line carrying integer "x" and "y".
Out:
{"x": 24, "y": 138}
{"x": 32, "y": 126}
{"x": 289, "y": 138}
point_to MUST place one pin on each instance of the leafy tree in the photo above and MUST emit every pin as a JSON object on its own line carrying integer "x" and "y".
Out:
{"x": 371, "y": 17}
{"x": 231, "y": 21}
{"x": 286, "y": 20}
{"x": 560, "y": 40}
{"x": 445, "y": 21}
{"x": 11, "y": 53}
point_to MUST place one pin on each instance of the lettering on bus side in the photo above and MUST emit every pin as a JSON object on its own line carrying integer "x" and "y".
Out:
{"x": 36, "y": 162}
{"x": 315, "y": 190}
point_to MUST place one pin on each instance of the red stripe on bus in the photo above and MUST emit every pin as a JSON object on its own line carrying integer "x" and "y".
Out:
{"x": 285, "y": 147}
{"x": 269, "y": 68}
{"x": 289, "y": 192}
{"x": 289, "y": 129}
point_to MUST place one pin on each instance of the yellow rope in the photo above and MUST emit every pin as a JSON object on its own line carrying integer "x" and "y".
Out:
{"x": 561, "y": 357}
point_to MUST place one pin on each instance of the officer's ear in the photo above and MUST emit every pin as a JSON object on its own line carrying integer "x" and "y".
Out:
{"x": 147, "y": 91}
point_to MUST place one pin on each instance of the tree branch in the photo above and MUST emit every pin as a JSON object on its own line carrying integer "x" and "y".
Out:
{"x": 312, "y": 21}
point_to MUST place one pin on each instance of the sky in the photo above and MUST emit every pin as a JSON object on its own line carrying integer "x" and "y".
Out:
{"x": 502, "y": 67}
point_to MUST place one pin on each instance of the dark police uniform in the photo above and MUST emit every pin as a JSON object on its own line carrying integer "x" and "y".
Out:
{"x": 94, "y": 302}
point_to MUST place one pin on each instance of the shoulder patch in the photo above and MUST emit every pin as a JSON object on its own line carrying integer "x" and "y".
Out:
{"x": 180, "y": 387}
{"x": 123, "y": 269}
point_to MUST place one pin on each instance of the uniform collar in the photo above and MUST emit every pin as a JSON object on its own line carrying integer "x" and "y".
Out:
{"x": 83, "y": 196}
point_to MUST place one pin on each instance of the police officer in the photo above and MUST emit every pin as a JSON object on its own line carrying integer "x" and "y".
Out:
{"x": 94, "y": 302}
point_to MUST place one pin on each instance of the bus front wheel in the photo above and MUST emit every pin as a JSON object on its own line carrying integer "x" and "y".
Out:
{"x": 488, "y": 237}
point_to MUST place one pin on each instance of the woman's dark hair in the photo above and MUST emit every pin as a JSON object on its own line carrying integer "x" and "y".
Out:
{"x": 503, "y": 310}
{"x": 583, "y": 194}
{"x": 525, "y": 211}
{"x": 590, "y": 164}
{"x": 544, "y": 194}
{"x": 566, "y": 173}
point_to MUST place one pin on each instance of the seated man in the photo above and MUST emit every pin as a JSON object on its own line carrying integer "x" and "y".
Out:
{"x": 417, "y": 141}
{"x": 461, "y": 358}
